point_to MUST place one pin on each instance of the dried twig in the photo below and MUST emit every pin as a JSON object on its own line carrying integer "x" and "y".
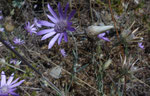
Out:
{"x": 29, "y": 65}
{"x": 122, "y": 51}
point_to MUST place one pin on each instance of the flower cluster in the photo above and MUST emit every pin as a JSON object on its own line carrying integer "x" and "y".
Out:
{"x": 33, "y": 28}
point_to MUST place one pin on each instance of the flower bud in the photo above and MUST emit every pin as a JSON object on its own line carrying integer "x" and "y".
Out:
{"x": 9, "y": 26}
{"x": 95, "y": 30}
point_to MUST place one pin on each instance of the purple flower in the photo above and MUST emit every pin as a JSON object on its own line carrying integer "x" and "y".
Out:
{"x": 107, "y": 31}
{"x": 117, "y": 17}
{"x": 15, "y": 61}
{"x": 35, "y": 6}
{"x": 18, "y": 41}
{"x": 1, "y": 17}
{"x": 36, "y": 22}
{"x": 101, "y": 36}
{"x": 8, "y": 87}
{"x": 59, "y": 26}
{"x": 1, "y": 29}
{"x": 141, "y": 46}
{"x": 31, "y": 29}
{"x": 63, "y": 52}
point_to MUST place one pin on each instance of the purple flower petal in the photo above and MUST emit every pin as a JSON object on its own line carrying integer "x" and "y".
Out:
{"x": 46, "y": 23}
{"x": 37, "y": 23}
{"x": 17, "y": 84}
{"x": 140, "y": 45}
{"x": 34, "y": 29}
{"x": 48, "y": 35}
{"x": 60, "y": 38}
{"x": 106, "y": 39}
{"x": 107, "y": 31}
{"x": 71, "y": 15}
{"x": 14, "y": 81}
{"x": 65, "y": 37}
{"x": 52, "y": 12}
{"x": 69, "y": 23}
{"x": 14, "y": 94}
{"x": 60, "y": 11}
{"x": 66, "y": 8}
{"x": 3, "y": 78}
{"x": 4, "y": 94}
{"x": 32, "y": 26}
{"x": 63, "y": 52}
{"x": 1, "y": 29}
{"x": 53, "y": 40}
{"x": 10, "y": 79}
{"x": 52, "y": 19}
{"x": 13, "y": 89}
{"x": 70, "y": 28}
{"x": 101, "y": 36}
{"x": 45, "y": 31}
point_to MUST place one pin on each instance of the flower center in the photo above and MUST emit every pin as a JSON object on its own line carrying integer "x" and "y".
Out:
{"x": 60, "y": 26}
{"x": 4, "y": 89}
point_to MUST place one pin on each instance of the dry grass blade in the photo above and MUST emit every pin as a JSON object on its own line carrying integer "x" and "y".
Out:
{"x": 44, "y": 57}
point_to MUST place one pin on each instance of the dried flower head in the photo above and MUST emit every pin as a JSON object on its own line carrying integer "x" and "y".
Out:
{"x": 58, "y": 27}
{"x": 63, "y": 52}
{"x": 130, "y": 36}
{"x": 30, "y": 28}
{"x": 7, "y": 88}
{"x": 128, "y": 65}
